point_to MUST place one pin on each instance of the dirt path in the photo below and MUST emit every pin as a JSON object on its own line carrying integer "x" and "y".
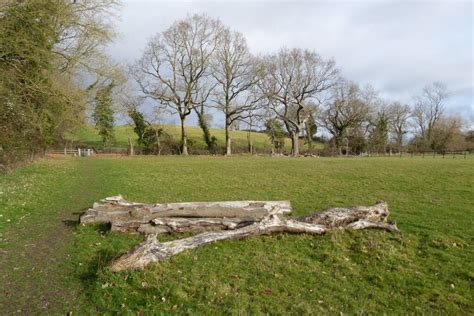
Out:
{"x": 35, "y": 275}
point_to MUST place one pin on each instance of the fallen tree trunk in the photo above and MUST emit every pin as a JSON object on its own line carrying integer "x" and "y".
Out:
{"x": 132, "y": 217}
{"x": 162, "y": 225}
{"x": 359, "y": 217}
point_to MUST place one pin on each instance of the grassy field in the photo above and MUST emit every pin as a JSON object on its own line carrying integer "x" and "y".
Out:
{"x": 89, "y": 136}
{"x": 49, "y": 264}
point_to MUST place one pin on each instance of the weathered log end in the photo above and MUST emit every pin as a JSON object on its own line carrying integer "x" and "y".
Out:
{"x": 108, "y": 209}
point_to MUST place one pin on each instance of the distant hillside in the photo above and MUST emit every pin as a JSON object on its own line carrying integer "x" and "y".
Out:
{"x": 88, "y": 136}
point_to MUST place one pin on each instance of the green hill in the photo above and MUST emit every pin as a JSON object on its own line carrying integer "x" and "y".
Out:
{"x": 88, "y": 136}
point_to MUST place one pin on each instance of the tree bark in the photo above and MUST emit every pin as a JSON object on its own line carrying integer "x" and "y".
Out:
{"x": 184, "y": 139}
{"x": 355, "y": 218}
{"x": 228, "y": 145}
{"x": 131, "y": 152}
{"x": 249, "y": 137}
{"x": 135, "y": 217}
{"x": 295, "y": 148}
{"x": 309, "y": 136}
{"x": 161, "y": 225}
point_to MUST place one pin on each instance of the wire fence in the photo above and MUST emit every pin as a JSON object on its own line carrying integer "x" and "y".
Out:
{"x": 423, "y": 154}
{"x": 120, "y": 151}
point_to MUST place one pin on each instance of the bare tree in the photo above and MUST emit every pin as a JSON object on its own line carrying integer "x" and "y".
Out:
{"x": 174, "y": 67}
{"x": 348, "y": 108}
{"x": 292, "y": 80}
{"x": 400, "y": 116}
{"x": 235, "y": 72}
{"x": 429, "y": 109}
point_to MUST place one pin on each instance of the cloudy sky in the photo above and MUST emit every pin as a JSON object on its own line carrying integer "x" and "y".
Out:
{"x": 397, "y": 46}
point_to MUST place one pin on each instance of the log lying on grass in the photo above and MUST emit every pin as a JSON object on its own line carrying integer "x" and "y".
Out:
{"x": 359, "y": 217}
{"x": 162, "y": 225}
{"x": 132, "y": 217}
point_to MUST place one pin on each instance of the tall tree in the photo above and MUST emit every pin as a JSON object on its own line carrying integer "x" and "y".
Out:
{"x": 429, "y": 109}
{"x": 401, "y": 114}
{"x": 347, "y": 110}
{"x": 41, "y": 98}
{"x": 175, "y": 67}
{"x": 380, "y": 125}
{"x": 235, "y": 72}
{"x": 292, "y": 79}
{"x": 276, "y": 132}
{"x": 104, "y": 115}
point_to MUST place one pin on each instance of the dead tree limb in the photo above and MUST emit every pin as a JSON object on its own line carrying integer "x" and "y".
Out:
{"x": 359, "y": 217}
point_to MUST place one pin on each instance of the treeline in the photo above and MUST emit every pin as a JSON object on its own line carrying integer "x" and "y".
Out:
{"x": 49, "y": 51}
{"x": 198, "y": 65}
{"x": 55, "y": 77}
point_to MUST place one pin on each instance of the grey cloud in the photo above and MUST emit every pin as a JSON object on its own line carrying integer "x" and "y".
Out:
{"x": 397, "y": 46}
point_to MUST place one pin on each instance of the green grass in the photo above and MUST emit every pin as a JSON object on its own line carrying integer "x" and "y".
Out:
{"x": 428, "y": 269}
{"x": 88, "y": 136}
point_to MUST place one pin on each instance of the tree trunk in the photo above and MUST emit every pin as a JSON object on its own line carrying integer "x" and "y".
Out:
{"x": 295, "y": 146}
{"x": 249, "y": 142}
{"x": 358, "y": 217}
{"x": 309, "y": 137}
{"x": 205, "y": 129}
{"x": 161, "y": 225}
{"x": 249, "y": 137}
{"x": 157, "y": 149}
{"x": 184, "y": 139}
{"x": 131, "y": 151}
{"x": 228, "y": 147}
{"x": 168, "y": 217}
{"x": 400, "y": 143}
{"x": 338, "y": 143}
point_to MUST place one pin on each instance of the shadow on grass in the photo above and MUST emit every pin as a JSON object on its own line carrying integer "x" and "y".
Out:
{"x": 98, "y": 246}
{"x": 71, "y": 223}
{"x": 74, "y": 219}
{"x": 98, "y": 264}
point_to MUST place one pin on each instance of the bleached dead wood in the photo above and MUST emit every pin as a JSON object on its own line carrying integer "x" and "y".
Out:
{"x": 128, "y": 216}
{"x": 179, "y": 224}
{"x": 358, "y": 217}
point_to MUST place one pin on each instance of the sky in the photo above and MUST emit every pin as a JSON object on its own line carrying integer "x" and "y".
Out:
{"x": 396, "y": 46}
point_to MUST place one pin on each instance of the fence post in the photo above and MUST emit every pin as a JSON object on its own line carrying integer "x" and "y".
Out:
{"x": 79, "y": 152}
